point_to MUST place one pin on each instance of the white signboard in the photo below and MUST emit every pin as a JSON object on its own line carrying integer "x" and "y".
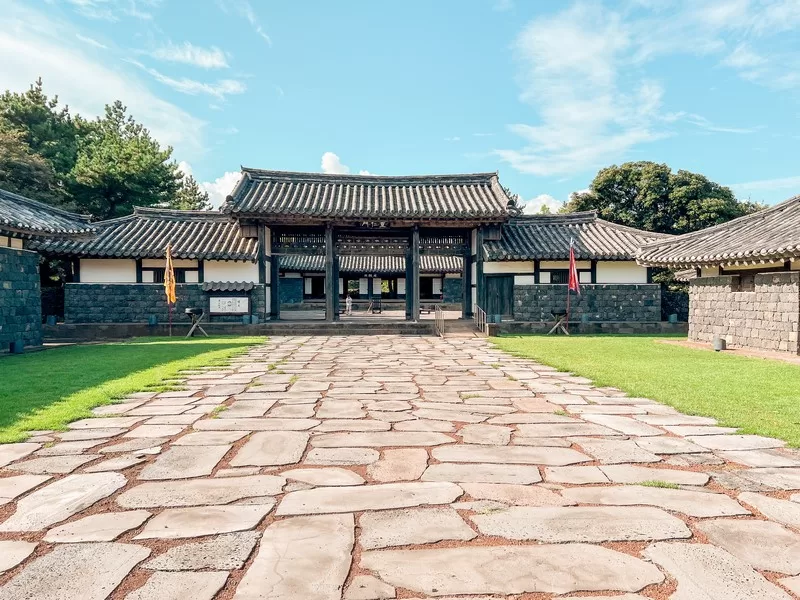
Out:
{"x": 230, "y": 305}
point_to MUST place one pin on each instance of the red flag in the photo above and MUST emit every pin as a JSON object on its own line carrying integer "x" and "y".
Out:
{"x": 574, "y": 283}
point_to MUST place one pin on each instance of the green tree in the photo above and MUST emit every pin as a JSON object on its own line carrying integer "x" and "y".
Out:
{"x": 119, "y": 166}
{"x": 190, "y": 196}
{"x": 649, "y": 196}
{"x": 26, "y": 173}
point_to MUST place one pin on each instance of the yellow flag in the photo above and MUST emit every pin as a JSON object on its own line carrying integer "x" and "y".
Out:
{"x": 169, "y": 278}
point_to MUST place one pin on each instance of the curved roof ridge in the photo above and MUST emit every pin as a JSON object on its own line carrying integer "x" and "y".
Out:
{"x": 356, "y": 177}
{"x": 44, "y": 206}
{"x": 148, "y": 211}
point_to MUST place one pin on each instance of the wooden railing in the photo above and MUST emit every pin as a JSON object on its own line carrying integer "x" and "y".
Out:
{"x": 479, "y": 316}
{"x": 439, "y": 320}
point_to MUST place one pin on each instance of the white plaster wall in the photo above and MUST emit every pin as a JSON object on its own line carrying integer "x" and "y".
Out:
{"x": 108, "y": 270}
{"x": 795, "y": 265}
{"x": 774, "y": 266}
{"x": 178, "y": 263}
{"x": 474, "y": 269}
{"x": 292, "y": 275}
{"x": 564, "y": 264}
{"x": 585, "y": 277}
{"x": 148, "y": 277}
{"x": 363, "y": 286}
{"x": 544, "y": 277}
{"x": 437, "y": 286}
{"x": 267, "y": 241}
{"x": 475, "y": 297}
{"x": 192, "y": 276}
{"x": 709, "y": 271}
{"x": 307, "y": 285}
{"x": 401, "y": 285}
{"x": 267, "y": 300}
{"x": 525, "y": 279}
{"x": 9, "y": 242}
{"x": 230, "y": 270}
{"x": 620, "y": 272}
{"x": 341, "y": 285}
{"x": 514, "y": 266}
{"x": 452, "y": 275}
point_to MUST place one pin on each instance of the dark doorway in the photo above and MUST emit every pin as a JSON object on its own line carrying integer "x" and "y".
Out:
{"x": 389, "y": 289}
{"x": 317, "y": 288}
{"x": 426, "y": 288}
{"x": 500, "y": 295}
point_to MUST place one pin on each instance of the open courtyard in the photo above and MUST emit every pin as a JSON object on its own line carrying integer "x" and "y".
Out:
{"x": 332, "y": 468}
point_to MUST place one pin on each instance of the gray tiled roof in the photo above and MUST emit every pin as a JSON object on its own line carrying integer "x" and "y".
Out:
{"x": 768, "y": 235}
{"x": 547, "y": 237}
{"x": 26, "y": 217}
{"x": 146, "y": 233}
{"x": 290, "y": 196}
{"x": 380, "y": 265}
{"x": 227, "y": 286}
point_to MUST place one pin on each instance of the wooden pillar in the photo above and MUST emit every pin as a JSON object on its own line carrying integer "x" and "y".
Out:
{"x": 76, "y": 270}
{"x": 466, "y": 281}
{"x": 415, "y": 272}
{"x": 262, "y": 254}
{"x": 480, "y": 280}
{"x": 331, "y": 277}
{"x": 370, "y": 282}
{"x": 409, "y": 283}
{"x": 138, "y": 270}
{"x": 275, "y": 287}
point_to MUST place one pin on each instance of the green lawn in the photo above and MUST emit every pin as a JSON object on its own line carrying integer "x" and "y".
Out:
{"x": 47, "y": 390}
{"x": 758, "y": 396}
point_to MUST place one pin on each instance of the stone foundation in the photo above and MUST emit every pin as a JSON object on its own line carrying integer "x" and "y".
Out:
{"x": 597, "y": 302}
{"x": 20, "y": 298}
{"x": 137, "y": 302}
{"x": 766, "y": 318}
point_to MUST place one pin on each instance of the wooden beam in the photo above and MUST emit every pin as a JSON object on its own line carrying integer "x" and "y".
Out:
{"x": 415, "y": 271}
{"x": 331, "y": 278}
{"x": 262, "y": 253}
{"x": 480, "y": 279}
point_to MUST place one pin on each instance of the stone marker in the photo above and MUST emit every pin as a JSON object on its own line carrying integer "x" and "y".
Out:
{"x": 180, "y": 586}
{"x": 302, "y": 557}
{"x": 15, "y": 486}
{"x": 271, "y": 448}
{"x": 200, "y": 491}
{"x": 223, "y": 552}
{"x": 14, "y": 552}
{"x": 61, "y": 499}
{"x": 694, "y": 504}
{"x": 782, "y": 511}
{"x": 341, "y": 456}
{"x": 176, "y": 523}
{"x": 582, "y": 524}
{"x": 71, "y": 571}
{"x": 380, "y": 438}
{"x": 326, "y": 477}
{"x": 412, "y": 526}
{"x": 528, "y": 455}
{"x": 707, "y": 572}
{"x": 637, "y": 474}
{"x": 486, "y": 570}
{"x": 761, "y": 544}
{"x": 401, "y": 464}
{"x": 526, "y": 495}
{"x": 103, "y": 527}
{"x": 184, "y": 462}
{"x": 371, "y": 497}
{"x": 735, "y": 442}
{"x": 482, "y": 473}
{"x": 367, "y": 587}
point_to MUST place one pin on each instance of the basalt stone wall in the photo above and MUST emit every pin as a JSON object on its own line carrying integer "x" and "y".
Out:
{"x": 20, "y": 298}
{"x": 137, "y": 302}
{"x": 452, "y": 290}
{"x": 597, "y": 302}
{"x": 764, "y": 318}
{"x": 291, "y": 290}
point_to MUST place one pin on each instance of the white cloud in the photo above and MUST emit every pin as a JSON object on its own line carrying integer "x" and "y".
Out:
{"x": 112, "y": 10}
{"x": 534, "y": 206}
{"x": 219, "y": 189}
{"x": 244, "y": 9}
{"x": 332, "y": 164}
{"x": 791, "y": 184}
{"x": 32, "y": 44}
{"x": 187, "y": 53}
{"x": 743, "y": 57}
{"x": 192, "y": 87}
{"x": 91, "y": 41}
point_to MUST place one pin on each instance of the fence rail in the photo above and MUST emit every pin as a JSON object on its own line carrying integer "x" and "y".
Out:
{"x": 479, "y": 316}
{"x": 439, "y": 320}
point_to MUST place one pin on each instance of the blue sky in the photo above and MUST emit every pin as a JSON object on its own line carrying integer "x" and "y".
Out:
{"x": 544, "y": 91}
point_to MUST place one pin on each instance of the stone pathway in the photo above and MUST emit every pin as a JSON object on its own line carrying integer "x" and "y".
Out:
{"x": 366, "y": 468}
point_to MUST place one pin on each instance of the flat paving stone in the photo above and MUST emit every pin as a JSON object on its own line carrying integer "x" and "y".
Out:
{"x": 13, "y": 552}
{"x": 563, "y": 430}
{"x": 759, "y": 458}
{"x": 340, "y": 409}
{"x": 106, "y": 422}
{"x": 693, "y": 430}
{"x": 301, "y": 557}
{"x": 508, "y": 493}
{"x": 291, "y": 411}
{"x": 61, "y": 499}
{"x": 624, "y": 425}
{"x": 180, "y": 586}
{"x": 154, "y": 431}
{"x": 177, "y": 523}
{"x": 637, "y": 474}
{"x": 223, "y": 552}
{"x": 485, "y": 570}
{"x": 367, "y": 587}
{"x": 184, "y": 462}
{"x": 735, "y": 442}
{"x": 787, "y": 478}
{"x": 616, "y": 451}
{"x": 482, "y": 473}
{"x": 669, "y": 445}
{"x": 675, "y": 419}
{"x": 542, "y": 441}
{"x": 792, "y": 584}
{"x": 401, "y": 464}
{"x": 209, "y": 438}
{"x": 16, "y": 485}
{"x": 331, "y": 425}
{"x": 133, "y": 445}
{"x": 53, "y": 464}
{"x": 412, "y": 526}
{"x": 71, "y": 571}
{"x": 496, "y": 435}
{"x": 466, "y": 453}
{"x": 118, "y": 463}
{"x": 380, "y": 439}
{"x": 782, "y": 511}
{"x": 271, "y": 448}
{"x": 68, "y": 448}
{"x": 371, "y": 497}
{"x": 761, "y": 544}
{"x": 425, "y": 425}
{"x": 78, "y": 435}
{"x": 332, "y": 476}
{"x": 706, "y": 572}
{"x": 575, "y": 475}
{"x": 265, "y": 424}
{"x": 582, "y": 524}
{"x": 200, "y": 491}
{"x": 341, "y": 456}
{"x": 694, "y": 504}
{"x": 460, "y": 416}
{"x": 103, "y": 527}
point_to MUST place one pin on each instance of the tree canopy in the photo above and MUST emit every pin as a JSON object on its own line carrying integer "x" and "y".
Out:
{"x": 103, "y": 167}
{"x": 649, "y": 196}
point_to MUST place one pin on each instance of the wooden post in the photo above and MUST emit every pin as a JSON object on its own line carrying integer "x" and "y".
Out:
{"x": 275, "y": 287}
{"x": 466, "y": 280}
{"x": 409, "y": 284}
{"x": 415, "y": 272}
{"x": 331, "y": 277}
{"x": 480, "y": 280}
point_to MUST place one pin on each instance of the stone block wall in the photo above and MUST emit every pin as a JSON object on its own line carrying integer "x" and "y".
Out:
{"x": 136, "y": 302}
{"x": 452, "y": 290}
{"x": 765, "y": 319}
{"x": 598, "y": 302}
{"x": 20, "y": 298}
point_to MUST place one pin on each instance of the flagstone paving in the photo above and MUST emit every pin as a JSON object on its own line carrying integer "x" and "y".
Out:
{"x": 363, "y": 468}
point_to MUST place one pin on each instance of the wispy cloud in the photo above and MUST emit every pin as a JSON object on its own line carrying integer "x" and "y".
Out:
{"x": 706, "y": 124}
{"x": 790, "y": 184}
{"x": 113, "y": 10}
{"x": 452, "y": 139}
{"x": 220, "y": 89}
{"x": 189, "y": 54}
{"x": 91, "y": 41}
{"x": 244, "y": 9}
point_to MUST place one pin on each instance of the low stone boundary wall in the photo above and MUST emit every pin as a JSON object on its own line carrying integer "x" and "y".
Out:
{"x": 766, "y": 317}
{"x": 627, "y": 327}
{"x": 20, "y": 298}
{"x": 597, "y": 302}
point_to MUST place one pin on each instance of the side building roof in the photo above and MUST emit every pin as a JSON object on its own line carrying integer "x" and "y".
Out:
{"x": 23, "y": 217}
{"x": 287, "y": 197}
{"x": 547, "y": 237}
{"x": 205, "y": 235}
{"x": 772, "y": 234}
{"x": 379, "y": 265}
